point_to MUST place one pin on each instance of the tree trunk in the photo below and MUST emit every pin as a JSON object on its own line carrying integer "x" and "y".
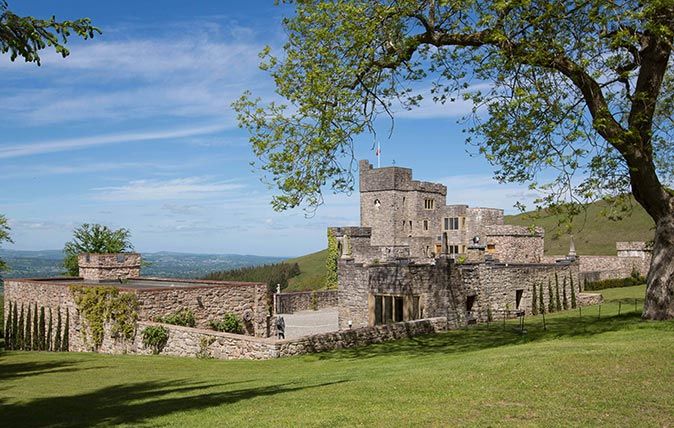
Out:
{"x": 659, "y": 304}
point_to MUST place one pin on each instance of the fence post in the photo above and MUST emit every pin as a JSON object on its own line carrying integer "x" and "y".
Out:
{"x": 620, "y": 304}
{"x": 599, "y": 317}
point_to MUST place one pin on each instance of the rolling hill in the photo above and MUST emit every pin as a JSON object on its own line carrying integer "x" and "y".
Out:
{"x": 593, "y": 233}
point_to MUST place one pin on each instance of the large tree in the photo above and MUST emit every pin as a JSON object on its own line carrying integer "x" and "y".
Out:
{"x": 94, "y": 238}
{"x": 4, "y": 237}
{"x": 26, "y": 36}
{"x": 574, "y": 97}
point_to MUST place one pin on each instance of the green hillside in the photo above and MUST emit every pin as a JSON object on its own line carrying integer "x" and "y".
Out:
{"x": 312, "y": 272}
{"x": 593, "y": 233}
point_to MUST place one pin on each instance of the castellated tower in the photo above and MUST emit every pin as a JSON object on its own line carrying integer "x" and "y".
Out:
{"x": 406, "y": 212}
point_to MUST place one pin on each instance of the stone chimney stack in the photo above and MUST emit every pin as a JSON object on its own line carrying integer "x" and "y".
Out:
{"x": 109, "y": 267}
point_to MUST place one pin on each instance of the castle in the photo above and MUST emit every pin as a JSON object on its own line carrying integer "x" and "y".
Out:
{"x": 413, "y": 256}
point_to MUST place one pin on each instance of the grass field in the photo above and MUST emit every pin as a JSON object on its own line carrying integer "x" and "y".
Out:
{"x": 312, "y": 276}
{"x": 608, "y": 371}
{"x": 594, "y": 234}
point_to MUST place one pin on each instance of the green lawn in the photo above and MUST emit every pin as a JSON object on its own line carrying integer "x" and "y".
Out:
{"x": 608, "y": 371}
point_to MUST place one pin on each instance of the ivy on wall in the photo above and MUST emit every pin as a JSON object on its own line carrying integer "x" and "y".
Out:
{"x": 101, "y": 305}
{"x": 331, "y": 263}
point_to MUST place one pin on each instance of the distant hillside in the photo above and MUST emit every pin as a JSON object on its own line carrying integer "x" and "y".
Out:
{"x": 593, "y": 233}
{"x": 273, "y": 275}
{"x": 47, "y": 263}
{"x": 312, "y": 272}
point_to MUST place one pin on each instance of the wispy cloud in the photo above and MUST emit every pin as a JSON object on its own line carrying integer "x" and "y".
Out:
{"x": 429, "y": 109}
{"x": 35, "y": 148}
{"x": 174, "y": 189}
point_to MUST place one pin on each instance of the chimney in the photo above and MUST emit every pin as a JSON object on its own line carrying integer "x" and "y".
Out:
{"x": 109, "y": 267}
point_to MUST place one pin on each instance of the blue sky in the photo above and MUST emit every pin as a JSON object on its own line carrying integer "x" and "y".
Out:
{"x": 134, "y": 129}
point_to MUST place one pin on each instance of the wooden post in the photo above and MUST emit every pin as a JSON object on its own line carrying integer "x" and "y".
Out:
{"x": 599, "y": 317}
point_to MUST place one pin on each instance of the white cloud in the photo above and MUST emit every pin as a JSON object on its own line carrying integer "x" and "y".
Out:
{"x": 428, "y": 109}
{"x": 28, "y": 149}
{"x": 174, "y": 189}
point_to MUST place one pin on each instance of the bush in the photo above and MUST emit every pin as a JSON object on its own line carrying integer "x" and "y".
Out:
{"x": 615, "y": 283}
{"x": 229, "y": 324}
{"x": 155, "y": 337}
{"x": 183, "y": 317}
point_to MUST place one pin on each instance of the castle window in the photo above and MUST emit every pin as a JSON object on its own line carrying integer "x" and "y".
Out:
{"x": 453, "y": 249}
{"x": 451, "y": 223}
{"x": 429, "y": 204}
{"x": 425, "y": 224}
{"x": 388, "y": 309}
{"x": 410, "y": 223}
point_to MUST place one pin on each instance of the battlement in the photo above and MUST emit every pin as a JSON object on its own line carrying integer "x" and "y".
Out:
{"x": 394, "y": 178}
{"x": 512, "y": 230}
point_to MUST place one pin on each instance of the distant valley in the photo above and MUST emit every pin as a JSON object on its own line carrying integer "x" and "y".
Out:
{"x": 47, "y": 263}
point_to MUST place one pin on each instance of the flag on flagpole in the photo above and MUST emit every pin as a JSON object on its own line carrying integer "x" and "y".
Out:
{"x": 378, "y": 153}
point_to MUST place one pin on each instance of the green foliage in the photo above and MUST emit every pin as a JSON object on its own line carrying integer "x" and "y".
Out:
{"x": 155, "y": 337}
{"x": 551, "y": 298}
{"x": 573, "y": 293}
{"x": 25, "y": 36}
{"x": 4, "y": 234}
{"x": 183, "y": 317}
{"x": 17, "y": 328}
{"x": 314, "y": 301}
{"x": 94, "y": 238}
{"x": 7, "y": 323}
{"x": 231, "y": 323}
{"x": 541, "y": 303}
{"x": 565, "y": 300}
{"x": 331, "y": 263}
{"x": 42, "y": 330}
{"x": 534, "y": 300}
{"x": 57, "y": 335}
{"x": 558, "y": 302}
{"x": 615, "y": 282}
{"x": 65, "y": 341}
{"x": 204, "y": 343}
{"x": 48, "y": 340}
{"x": 99, "y": 305}
{"x": 27, "y": 335}
{"x": 271, "y": 274}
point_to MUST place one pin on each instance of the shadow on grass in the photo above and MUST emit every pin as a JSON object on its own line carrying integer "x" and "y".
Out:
{"x": 485, "y": 336}
{"x": 22, "y": 370}
{"x": 132, "y": 403}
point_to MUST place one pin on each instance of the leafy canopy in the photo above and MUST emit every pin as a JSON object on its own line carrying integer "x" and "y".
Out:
{"x": 94, "y": 238}
{"x": 26, "y": 36}
{"x": 4, "y": 237}
{"x": 574, "y": 97}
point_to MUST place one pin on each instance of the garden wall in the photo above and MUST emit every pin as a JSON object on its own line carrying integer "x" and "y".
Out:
{"x": 288, "y": 303}
{"x": 194, "y": 342}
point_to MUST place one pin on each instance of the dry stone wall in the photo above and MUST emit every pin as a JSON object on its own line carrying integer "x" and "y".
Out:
{"x": 109, "y": 267}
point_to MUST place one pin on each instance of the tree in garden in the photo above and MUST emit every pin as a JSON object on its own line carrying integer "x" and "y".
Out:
{"x": 574, "y": 98}
{"x": 57, "y": 333}
{"x": 534, "y": 301}
{"x": 573, "y": 293}
{"x": 16, "y": 330}
{"x": 565, "y": 301}
{"x": 551, "y": 298}
{"x": 558, "y": 301}
{"x": 4, "y": 237}
{"x": 65, "y": 341}
{"x": 541, "y": 303}
{"x": 42, "y": 330}
{"x": 94, "y": 238}
{"x": 36, "y": 330}
{"x": 8, "y": 326}
{"x": 48, "y": 339}
{"x": 26, "y": 36}
{"x": 27, "y": 336}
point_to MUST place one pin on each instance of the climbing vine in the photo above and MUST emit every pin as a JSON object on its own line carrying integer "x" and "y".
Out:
{"x": 101, "y": 305}
{"x": 331, "y": 263}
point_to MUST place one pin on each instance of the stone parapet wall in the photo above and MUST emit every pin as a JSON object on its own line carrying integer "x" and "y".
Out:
{"x": 288, "y": 303}
{"x": 597, "y": 268}
{"x": 589, "y": 299}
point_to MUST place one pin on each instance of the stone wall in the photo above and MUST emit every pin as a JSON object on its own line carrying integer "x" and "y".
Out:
{"x": 515, "y": 244}
{"x": 109, "y": 267}
{"x": 596, "y": 268}
{"x": 194, "y": 342}
{"x": 288, "y": 303}
{"x": 210, "y": 302}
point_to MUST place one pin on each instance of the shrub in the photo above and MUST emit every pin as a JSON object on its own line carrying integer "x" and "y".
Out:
{"x": 614, "y": 283}
{"x": 231, "y": 323}
{"x": 541, "y": 302}
{"x": 183, "y": 317}
{"x": 27, "y": 335}
{"x": 558, "y": 302}
{"x": 65, "y": 341}
{"x": 551, "y": 298}
{"x": 573, "y": 293}
{"x": 534, "y": 301}
{"x": 57, "y": 334}
{"x": 155, "y": 337}
{"x": 565, "y": 301}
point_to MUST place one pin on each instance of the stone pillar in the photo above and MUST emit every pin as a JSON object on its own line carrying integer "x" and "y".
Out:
{"x": 109, "y": 267}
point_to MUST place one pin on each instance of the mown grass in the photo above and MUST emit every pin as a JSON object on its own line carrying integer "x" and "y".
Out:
{"x": 608, "y": 371}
